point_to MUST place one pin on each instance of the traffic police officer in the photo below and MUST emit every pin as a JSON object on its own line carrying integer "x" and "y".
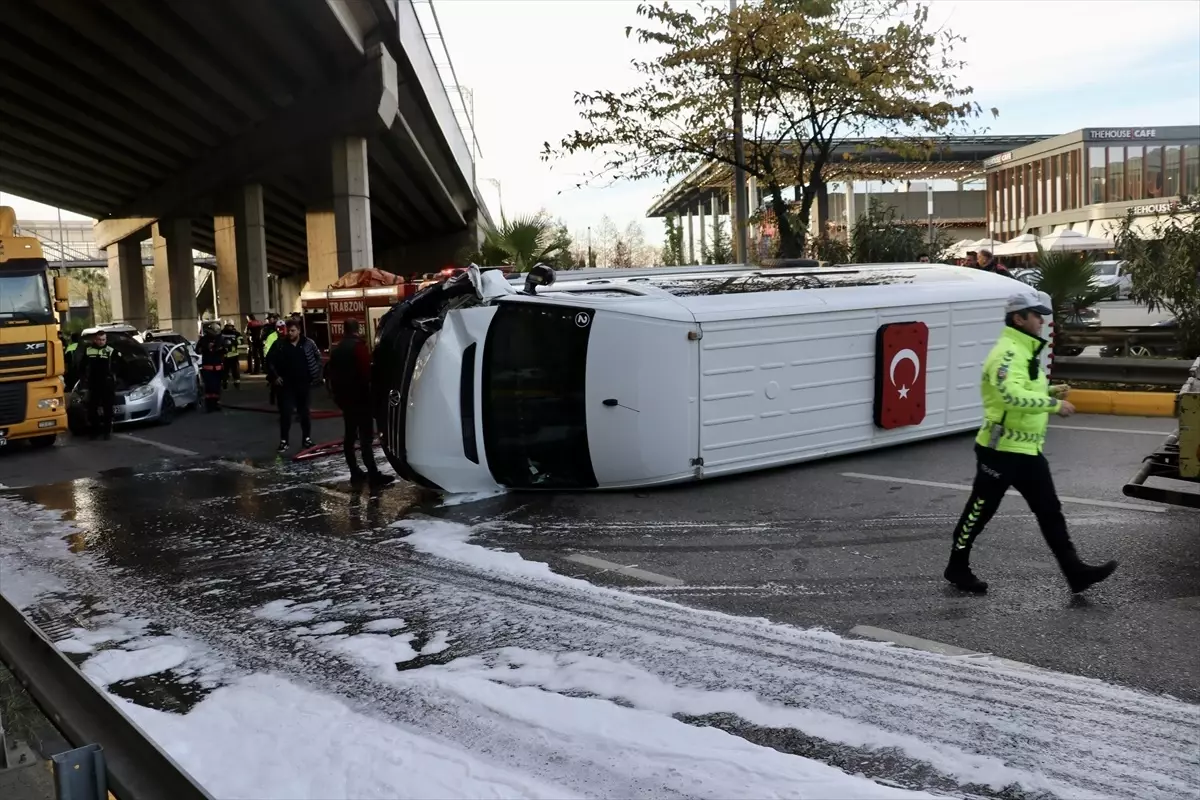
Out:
{"x": 101, "y": 382}
{"x": 1017, "y": 404}
{"x": 71, "y": 357}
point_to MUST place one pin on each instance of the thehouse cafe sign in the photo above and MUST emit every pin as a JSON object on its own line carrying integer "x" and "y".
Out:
{"x": 1122, "y": 133}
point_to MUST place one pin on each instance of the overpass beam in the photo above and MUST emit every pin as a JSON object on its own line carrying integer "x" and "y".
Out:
{"x": 352, "y": 204}
{"x": 225, "y": 249}
{"x": 127, "y": 282}
{"x": 250, "y": 228}
{"x": 175, "y": 277}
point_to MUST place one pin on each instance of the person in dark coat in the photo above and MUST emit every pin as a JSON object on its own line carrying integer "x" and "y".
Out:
{"x": 350, "y": 383}
{"x": 255, "y": 333}
{"x": 211, "y": 348}
{"x": 988, "y": 263}
{"x": 293, "y": 367}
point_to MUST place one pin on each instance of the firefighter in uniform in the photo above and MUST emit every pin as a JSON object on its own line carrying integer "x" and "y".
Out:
{"x": 235, "y": 349}
{"x": 211, "y": 348}
{"x": 1017, "y": 404}
{"x": 101, "y": 384}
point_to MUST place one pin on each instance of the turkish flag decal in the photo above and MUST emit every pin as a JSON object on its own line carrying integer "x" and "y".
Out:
{"x": 900, "y": 371}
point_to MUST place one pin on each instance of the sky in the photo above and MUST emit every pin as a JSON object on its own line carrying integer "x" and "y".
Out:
{"x": 1049, "y": 66}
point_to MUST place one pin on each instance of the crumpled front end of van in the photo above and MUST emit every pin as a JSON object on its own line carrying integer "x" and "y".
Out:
{"x": 425, "y": 394}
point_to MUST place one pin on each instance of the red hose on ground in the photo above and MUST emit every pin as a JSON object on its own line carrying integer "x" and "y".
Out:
{"x": 269, "y": 409}
{"x": 323, "y": 450}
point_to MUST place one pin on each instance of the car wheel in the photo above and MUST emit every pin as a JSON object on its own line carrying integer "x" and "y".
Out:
{"x": 1140, "y": 351}
{"x": 167, "y": 413}
{"x": 42, "y": 442}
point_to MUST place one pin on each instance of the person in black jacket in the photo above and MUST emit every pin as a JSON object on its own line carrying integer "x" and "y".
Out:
{"x": 293, "y": 366}
{"x": 350, "y": 383}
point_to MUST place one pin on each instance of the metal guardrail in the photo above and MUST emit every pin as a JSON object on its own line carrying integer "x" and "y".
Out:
{"x": 1143, "y": 334}
{"x": 136, "y": 768}
{"x": 1149, "y": 371}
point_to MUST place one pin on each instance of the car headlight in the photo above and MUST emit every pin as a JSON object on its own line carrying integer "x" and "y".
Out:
{"x": 50, "y": 403}
{"x": 140, "y": 393}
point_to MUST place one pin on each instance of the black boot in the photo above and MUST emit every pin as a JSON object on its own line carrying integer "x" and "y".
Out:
{"x": 958, "y": 572}
{"x": 1081, "y": 575}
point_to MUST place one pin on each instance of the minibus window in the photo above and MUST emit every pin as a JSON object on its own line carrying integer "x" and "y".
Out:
{"x": 534, "y": 411}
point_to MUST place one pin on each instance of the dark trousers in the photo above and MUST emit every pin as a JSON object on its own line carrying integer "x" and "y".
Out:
{"x": 995, "y": 472}
{"x": 255, "y": 364}
{"x": 211, "y": 375}
{"x": 100, "y": 411}
{"x": 360, "y": 427}
{"x": 293, "y": 400}
{"x": 232, "y": 372}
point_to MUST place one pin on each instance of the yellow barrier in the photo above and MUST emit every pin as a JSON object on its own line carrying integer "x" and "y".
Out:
{"x": 1129, "y": 404}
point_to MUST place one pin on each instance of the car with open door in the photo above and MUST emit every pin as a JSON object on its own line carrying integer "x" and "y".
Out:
{"x": 152, "y": 382}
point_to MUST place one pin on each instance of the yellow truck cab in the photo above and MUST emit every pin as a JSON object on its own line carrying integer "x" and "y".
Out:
{"x": 31, "y": 355}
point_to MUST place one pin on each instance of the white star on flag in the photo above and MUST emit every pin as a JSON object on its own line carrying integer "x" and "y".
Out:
{"x": 903, "y": 392}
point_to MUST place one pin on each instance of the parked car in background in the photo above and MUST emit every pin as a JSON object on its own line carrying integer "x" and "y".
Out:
{"x": 1113, "y": 273}
{"x": 153, "y": 381}
{"x": 1025, "y": 275}
{"x": 1133, "y": 348}
{"x": 172, "y": 337}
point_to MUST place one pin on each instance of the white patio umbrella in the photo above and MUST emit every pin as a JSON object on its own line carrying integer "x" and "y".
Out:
{"x": 1022, "y": 245}
{"x": 1074, "y": 240}
{"x": 960, "y": 248}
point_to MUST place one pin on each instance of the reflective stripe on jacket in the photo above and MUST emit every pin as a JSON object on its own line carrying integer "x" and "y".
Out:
{"x": 1016, "y": 395}
{"x": 272, "y": 337}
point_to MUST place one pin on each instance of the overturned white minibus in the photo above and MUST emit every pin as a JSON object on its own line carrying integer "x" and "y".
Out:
{"x": 628, "y": 378}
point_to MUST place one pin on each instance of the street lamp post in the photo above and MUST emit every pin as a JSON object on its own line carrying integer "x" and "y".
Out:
{"x": 499, "y": 194}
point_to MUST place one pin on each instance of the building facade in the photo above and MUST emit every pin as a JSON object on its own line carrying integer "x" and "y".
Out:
{"x": 1088, "y": 180}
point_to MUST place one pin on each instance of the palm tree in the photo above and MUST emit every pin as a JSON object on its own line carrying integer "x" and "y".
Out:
{"x": 522, "y": 242}
{"x": 1068, "y": 278}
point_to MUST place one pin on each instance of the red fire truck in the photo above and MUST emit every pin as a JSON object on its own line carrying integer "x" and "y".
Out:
{"x": 364, "y": 294}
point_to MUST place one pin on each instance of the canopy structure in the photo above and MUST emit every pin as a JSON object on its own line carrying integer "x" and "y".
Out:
{"x": 1021, "y": 245}
{"x": 956, "y": 158}
{"x": 366, "y": 278}
{"x": 1074, "y": 240}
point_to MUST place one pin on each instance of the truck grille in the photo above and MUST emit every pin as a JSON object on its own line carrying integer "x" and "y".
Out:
{"x": 22, "y": 361}
{"x": 12, "y": 403}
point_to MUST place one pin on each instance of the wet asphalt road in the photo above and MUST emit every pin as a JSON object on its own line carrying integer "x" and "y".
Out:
{"x": 204, "y": 549}
{"x": 808, "y": 546}
{"x": 804, "y": 545}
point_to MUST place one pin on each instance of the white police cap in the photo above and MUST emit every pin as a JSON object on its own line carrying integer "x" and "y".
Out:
{"x": 1028, "y": 299}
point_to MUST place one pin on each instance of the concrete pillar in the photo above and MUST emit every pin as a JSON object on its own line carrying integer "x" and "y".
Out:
{"x": 127, "y": 283}
{"x": 322, "y": 248}
{"x": 821, "y": 206}
{"x": 352, "y": 204}
{"x": 703, "y": 233}
{"x": 691, "y": 238}
{"x": 851, "y": 215}
{"x": 251, "y": 238}
{"x": 175, "y": 277}
{"x": 225, "y": 244}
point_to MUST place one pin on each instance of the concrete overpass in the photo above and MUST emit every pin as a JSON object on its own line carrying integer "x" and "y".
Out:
{"x": 303, "y": 138}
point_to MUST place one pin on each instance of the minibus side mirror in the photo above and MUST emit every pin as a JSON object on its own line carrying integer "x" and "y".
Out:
{"x": 540, "y": 275}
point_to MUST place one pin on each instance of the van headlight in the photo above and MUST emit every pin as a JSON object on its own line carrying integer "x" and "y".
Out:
{"x": 50, "y": 404}
{"x": 140, "y": 393}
